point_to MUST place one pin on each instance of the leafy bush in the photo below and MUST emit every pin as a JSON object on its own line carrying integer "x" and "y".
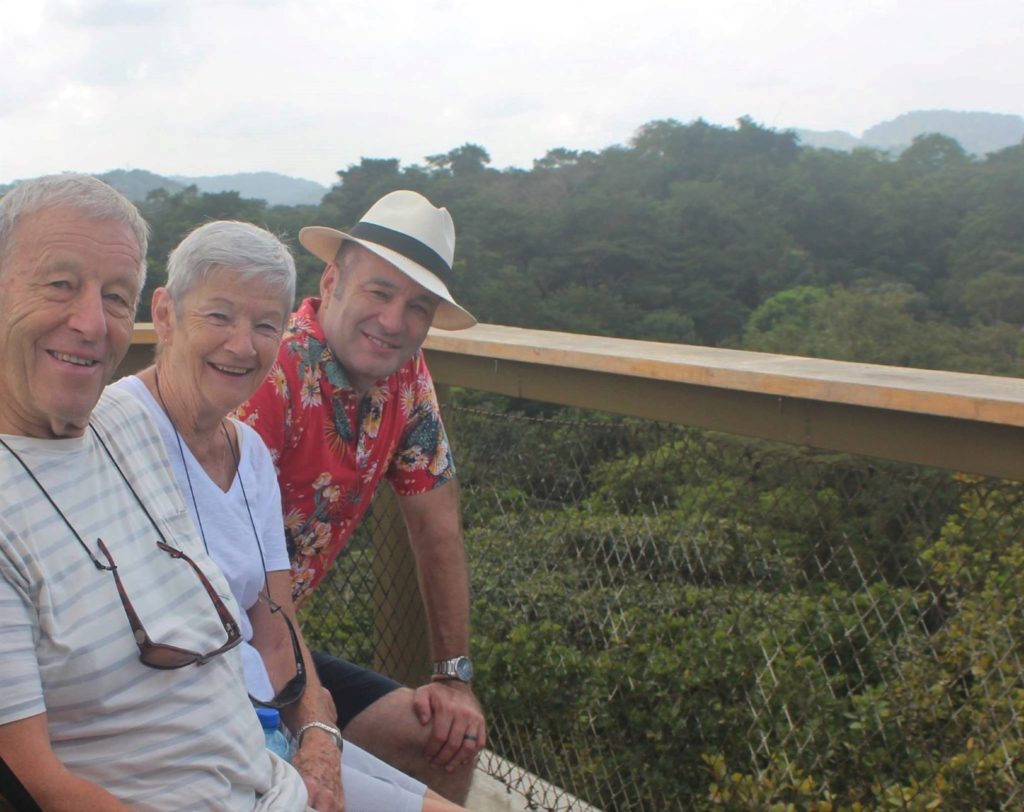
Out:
{"x": 758, "y": 629}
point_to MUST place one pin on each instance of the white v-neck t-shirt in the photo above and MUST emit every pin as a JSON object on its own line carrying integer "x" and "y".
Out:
{"x": 370, "y": 784}
{"x": 224, "y": 521}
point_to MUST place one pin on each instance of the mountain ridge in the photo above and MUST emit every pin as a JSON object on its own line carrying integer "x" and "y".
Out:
{"x": 273, "y": 187}
{"x": 979, "y": 133}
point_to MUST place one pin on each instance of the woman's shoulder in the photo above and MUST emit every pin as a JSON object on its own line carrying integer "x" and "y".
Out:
{"x": 130, "y": 429}
{"x": 253, "y": 448}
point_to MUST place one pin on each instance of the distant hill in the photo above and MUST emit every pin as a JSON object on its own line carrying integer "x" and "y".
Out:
{"x": 978, "y": 133}
{"x": 135, "y": 184}
{"x": 832, "y": 139}
{"x": 277, "y": 190}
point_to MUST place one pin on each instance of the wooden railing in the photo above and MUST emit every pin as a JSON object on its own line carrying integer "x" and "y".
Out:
{"x": 962, "y": 422}
{"x": 959, "y": 421}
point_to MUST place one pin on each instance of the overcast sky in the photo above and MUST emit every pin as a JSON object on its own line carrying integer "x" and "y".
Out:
{"x": 307, "y": 87}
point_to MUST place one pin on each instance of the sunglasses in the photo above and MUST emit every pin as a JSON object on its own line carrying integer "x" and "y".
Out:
{"x": 153, "y": 655}
{"x": 296, "y": 686}
{"x": 162, "y": 655}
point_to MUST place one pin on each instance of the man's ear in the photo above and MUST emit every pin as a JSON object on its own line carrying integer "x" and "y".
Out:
{"x": 328, "y": 281}
{"x": 163, "y": 315}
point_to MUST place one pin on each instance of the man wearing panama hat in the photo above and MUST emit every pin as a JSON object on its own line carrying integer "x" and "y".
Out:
{"x": 350, "y": 402}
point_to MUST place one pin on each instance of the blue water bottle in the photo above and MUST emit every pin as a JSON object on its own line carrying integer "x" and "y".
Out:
{"x": 276, "y": 740}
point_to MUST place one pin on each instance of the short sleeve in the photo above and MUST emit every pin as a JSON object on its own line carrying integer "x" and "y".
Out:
{"x": 22, "y": 694}
{"x": 423, "y": 459}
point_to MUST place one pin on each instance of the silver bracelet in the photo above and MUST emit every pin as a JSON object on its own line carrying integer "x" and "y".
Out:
{"x": 332, "y": 731}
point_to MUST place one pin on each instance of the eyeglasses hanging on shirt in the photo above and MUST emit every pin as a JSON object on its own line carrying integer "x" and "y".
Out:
{"x": 154, "y": 655}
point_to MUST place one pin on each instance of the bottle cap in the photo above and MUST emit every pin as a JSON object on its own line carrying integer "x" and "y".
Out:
{"x": 269, "y": 718}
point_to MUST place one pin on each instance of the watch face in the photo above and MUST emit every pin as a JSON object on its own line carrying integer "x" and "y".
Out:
{"x": 464, "y": 669}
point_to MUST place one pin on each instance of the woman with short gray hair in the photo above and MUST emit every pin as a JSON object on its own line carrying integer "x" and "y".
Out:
{"x": 219, "y": 322}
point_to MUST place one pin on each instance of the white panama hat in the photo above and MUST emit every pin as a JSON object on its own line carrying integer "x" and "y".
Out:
{"x": 412, "y": 234}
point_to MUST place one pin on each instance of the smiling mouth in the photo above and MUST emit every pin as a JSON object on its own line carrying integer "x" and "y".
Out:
{"x": 238, "y": 371}
{"x": 77, "y": 360}
{"x": 384, "y": 345}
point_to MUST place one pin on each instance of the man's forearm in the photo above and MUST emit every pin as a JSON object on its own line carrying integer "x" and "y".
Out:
{"x": 444, "y": 585}
{"x": 435, "y": 535}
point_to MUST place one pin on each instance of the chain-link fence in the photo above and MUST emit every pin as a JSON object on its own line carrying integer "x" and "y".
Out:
{"x": 667, "y": 618}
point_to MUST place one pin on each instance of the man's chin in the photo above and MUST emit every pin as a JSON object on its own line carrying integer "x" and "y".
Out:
{"x": 63, "y": 428}
{"x": 71, "y": 421}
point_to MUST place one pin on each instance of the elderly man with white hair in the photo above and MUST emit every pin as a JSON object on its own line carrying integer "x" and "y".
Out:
{"x": 123, "y": 683}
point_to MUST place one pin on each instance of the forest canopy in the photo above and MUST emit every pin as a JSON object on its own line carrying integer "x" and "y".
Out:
{"x": 722, "y": 236}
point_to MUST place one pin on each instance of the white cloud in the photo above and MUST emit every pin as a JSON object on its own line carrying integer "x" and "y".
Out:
{"x": 306, "y": 87}
{"x": 110, "y": 13}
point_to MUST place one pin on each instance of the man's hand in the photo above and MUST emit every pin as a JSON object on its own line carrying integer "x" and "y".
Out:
{"x": 319, "y": 763}
{"x": 459, "y": 730}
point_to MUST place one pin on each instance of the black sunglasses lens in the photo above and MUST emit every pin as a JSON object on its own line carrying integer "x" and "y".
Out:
{"x": 166, "y": 658}
{"x": 295, "y": 688}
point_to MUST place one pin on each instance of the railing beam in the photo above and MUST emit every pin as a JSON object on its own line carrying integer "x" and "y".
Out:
{"x": 959, "y": 444}
{"x": 961, "y": 422}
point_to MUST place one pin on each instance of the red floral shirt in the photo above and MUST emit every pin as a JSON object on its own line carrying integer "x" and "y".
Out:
{"x": 332, "y": 448}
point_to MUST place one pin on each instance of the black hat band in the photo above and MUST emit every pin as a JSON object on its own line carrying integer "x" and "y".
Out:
{"x": 408, "y": 247}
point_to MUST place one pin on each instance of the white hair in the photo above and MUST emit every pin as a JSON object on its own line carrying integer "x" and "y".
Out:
{"x": 251, "y": 251}
{"x": 71, "y": 190}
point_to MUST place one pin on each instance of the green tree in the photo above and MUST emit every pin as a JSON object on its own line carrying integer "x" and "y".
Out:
{"x": 933, "y": 152}
{"x": 880, "y": 325}
{"x": 469, "y": 159}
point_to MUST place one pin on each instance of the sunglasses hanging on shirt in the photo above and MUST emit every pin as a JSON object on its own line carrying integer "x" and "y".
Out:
{"x": 154, "y": 655}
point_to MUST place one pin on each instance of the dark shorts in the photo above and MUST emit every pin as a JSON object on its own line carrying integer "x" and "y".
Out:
{"x": 352, "y": 687}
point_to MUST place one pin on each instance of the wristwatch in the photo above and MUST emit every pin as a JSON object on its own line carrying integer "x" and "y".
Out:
{"x": 459, "y": 668}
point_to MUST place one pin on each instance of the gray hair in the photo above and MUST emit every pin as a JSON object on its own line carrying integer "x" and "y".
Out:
{"x": 71, "y": 190}
{"x": 251, "y": 251}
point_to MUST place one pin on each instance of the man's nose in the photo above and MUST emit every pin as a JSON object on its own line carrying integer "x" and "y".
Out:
{"x": 392, "y": 315}
{"x": 88, "y": 316}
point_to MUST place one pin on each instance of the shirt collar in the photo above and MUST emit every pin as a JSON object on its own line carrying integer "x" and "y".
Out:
{"x": 306, "y": 322}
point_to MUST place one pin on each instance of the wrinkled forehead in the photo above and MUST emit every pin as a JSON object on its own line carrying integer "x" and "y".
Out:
{"x": 71, "y": 239}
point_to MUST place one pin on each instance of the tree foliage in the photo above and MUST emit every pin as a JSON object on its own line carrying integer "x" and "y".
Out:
{"x": 690, "y": 231}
